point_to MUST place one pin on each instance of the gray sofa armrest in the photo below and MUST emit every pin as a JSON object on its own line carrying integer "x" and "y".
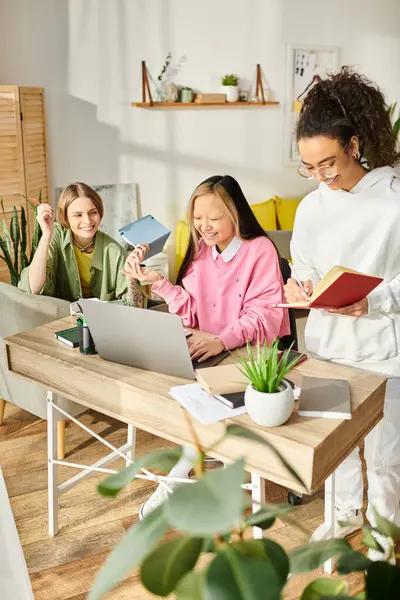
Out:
{"x": 281, "y": 238}
{"x": 20, "y": 311}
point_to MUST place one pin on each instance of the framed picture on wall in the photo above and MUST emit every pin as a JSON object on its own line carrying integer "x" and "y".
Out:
{"x": 303, "y": 63}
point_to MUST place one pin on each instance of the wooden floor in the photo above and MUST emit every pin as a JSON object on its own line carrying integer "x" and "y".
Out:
{"x": 63, "y": 568}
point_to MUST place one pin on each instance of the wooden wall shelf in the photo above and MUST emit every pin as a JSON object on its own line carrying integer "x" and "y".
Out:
{"x": 203, "y": 105}
{"x": 149, "y": 103}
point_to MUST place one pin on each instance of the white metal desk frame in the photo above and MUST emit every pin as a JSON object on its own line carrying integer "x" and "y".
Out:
{"x": 127, "y": 452}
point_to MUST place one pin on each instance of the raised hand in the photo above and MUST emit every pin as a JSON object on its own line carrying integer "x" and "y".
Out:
{"x": 44, "y": 217}
{"x": 139, "y": 252}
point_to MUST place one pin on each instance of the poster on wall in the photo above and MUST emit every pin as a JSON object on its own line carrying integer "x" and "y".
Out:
{"x": 120, "y": 202}
{"x": 303, "y": 63}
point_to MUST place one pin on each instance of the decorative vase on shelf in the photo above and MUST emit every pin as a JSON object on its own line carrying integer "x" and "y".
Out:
{"x": 231, "y": 92}
{"x": 161, "y": 93}
{"x": 187, "y": 95}
{"x": 171, "y": 92}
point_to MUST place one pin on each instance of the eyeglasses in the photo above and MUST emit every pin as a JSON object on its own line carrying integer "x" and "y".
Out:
{"x": 326, "y": 171}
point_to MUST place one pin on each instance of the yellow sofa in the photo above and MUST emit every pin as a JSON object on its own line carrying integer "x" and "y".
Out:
{"x": 275, "y": 215}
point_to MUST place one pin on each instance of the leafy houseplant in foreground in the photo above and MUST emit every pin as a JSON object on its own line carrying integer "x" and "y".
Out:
{"x": 269, "y": 398}
{"x": 210, "y": 517}
{"x": 13, "y": 241}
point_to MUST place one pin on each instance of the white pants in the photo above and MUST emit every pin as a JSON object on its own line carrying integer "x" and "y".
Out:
{"x": 382, "y": 455}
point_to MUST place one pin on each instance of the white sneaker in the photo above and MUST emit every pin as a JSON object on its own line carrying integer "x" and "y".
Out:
{"x": 387, "y": 546}
{"x": 353, "y": 518}
{"x": 157, "y": 498}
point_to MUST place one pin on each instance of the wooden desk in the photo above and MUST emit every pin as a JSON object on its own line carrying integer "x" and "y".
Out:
{"x": 315, "y": 447}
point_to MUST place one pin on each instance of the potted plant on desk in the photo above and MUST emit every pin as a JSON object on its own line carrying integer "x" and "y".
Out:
{"x": 269, "y": 397}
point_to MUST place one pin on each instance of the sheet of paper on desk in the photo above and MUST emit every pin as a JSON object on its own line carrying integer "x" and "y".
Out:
{"x": 205, "y": 408}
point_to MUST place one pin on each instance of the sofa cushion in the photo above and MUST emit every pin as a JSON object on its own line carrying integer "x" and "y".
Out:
{"x": 286, "y": 211}
{"x": 181, "y": 243}
{"x": 265, "y": 213}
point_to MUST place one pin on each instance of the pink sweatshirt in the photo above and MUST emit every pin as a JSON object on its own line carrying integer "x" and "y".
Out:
{"x": 231, "y": 299}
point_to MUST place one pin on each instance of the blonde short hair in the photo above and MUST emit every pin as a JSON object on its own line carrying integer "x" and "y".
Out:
{"x": 71, "y": 193}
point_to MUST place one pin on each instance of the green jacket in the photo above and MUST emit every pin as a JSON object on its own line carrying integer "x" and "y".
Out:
{"x": 62, "y": 276}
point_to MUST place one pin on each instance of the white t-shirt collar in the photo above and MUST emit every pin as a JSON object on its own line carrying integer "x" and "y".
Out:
{"x": 230, "y": 251}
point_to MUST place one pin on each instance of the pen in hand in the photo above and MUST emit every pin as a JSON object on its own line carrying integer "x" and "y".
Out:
{"x": 295, "y": 277}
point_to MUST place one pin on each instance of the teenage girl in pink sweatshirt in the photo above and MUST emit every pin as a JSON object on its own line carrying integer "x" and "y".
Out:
{"x": 228, "y": 280}
{"x": 230, "y": 276}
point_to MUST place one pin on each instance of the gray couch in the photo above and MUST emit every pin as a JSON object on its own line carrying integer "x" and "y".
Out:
{"x": 281, "y": 239}
{"x": 19, "y": 312}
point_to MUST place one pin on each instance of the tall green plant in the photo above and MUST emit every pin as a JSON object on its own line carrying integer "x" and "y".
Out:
{"x": 211, "y": 517}
{"x": 13, "y": 241}
{"x": 395, "y": 122}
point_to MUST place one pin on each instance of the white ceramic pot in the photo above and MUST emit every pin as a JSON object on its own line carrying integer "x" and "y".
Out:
{"x": 232, "y": 92}
{"x": 269, "y": 410}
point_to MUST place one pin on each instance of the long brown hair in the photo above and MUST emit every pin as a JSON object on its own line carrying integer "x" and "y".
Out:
{"x": 229, "y": 191}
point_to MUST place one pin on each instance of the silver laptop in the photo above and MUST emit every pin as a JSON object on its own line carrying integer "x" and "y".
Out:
{"x": 147, "y": 339}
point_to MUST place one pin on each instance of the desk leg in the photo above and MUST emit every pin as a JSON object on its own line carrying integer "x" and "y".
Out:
{"x": 52, "y": 479}
{"x": 330, "y": 515}
{"x": 131, "y": 440}
{"x": 258, "y": 497}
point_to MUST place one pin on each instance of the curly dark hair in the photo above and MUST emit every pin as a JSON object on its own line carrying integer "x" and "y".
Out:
{"x": 345, "y": 105}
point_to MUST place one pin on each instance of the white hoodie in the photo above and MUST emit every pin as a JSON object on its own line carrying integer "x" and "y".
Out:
{"x": 360, "y": 230}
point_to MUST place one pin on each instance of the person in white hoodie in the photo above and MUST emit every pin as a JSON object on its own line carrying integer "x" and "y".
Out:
{"x": 352, "y": 219}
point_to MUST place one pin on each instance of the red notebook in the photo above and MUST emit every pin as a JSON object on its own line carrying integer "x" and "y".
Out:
{"x": 340, "y": 287}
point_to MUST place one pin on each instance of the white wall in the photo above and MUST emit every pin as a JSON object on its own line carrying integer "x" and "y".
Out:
{"x": 87, "y": 53}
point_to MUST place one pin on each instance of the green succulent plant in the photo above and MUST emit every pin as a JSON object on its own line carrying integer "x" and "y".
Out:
{"x": 266, "y": 369}
{"x": 230, "y": 80}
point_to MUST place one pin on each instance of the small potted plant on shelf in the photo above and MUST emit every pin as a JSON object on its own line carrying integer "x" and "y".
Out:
{"x": 187, "y": 94}
{"x": 230, "y": 87}
{"x": 269, "y": 397}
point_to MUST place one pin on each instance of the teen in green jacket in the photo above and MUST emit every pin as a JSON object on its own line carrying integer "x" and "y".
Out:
{"x": 74, "y": 259}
